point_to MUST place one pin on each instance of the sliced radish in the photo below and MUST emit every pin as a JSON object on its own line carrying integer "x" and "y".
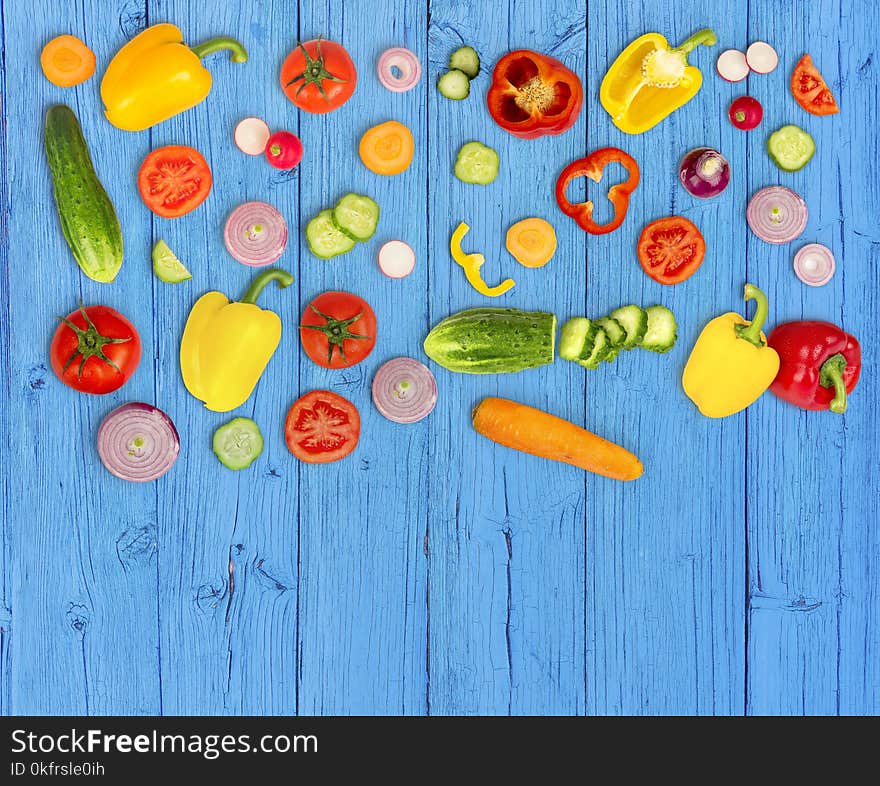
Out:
{"x": 761, "y": 57}
{"x": 251, "y": 136}
{"x": 814, "y": 264}
{"x": 732, "y": 65}
{"x": 396, "y": 259}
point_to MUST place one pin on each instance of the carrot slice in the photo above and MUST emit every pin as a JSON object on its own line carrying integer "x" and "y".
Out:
{"x": 533, "y": 431}
{"x": 387, "y": 149}
{"x": 532, "y": 242}
{"x": 67, "y": 61}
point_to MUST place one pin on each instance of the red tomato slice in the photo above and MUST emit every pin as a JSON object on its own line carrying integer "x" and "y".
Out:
{"x": 810, "y": 90}
{"x": 338, "y": 329}
{"x": 174, "y": 180}
{"x": 318, "y": 76}
{"x": 322, "y": 427}
{"x": 671, "y": 249}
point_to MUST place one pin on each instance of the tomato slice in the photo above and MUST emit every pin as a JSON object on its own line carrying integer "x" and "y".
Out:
{"x": 174, "y": 180}
{"x": 322, "y": 427}
{"x": 810, "y": 90}
{"x": 338, "y": 329}
{"x": 671, "y": 249}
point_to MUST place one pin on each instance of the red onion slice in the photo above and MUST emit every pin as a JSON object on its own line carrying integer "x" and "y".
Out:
{"x": 404, "y": 390}
{"x": 138, "y": 442}
{"x": 814, "y": 264}
{"x": 704, "y": 172}
{"x": 777, "y": 214}
{"x": 255, "y": 234}
{"x": 406, "y": 63}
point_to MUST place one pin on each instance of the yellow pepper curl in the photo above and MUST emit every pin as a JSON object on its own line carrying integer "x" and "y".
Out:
{"x": 472, "y": 264}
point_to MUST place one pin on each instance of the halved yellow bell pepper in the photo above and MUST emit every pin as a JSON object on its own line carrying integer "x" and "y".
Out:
{"x": 649, "y": 80}
{"x": 226, "y": 346}
{"x": 472, "y": 264}
{"x": 156, "y": 76}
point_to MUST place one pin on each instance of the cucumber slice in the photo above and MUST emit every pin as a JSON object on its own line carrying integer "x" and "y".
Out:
{"x": 466, "y": 60}
{"x": 238, "y": 443}
{"x": 593, "y": 355}
{"x": 662, "y": 330}
{"x": 575, "y": 335}
{"x": 634, "y": 321}
{"x": 356, "y": 215}
{"x": 476, "y": 163}
{"x": 791, "y": 148}
{"x": 167, "y": 266}
{"x": 325, "y": 239}
{"x": 616, "y": 335}
{"x": 454, "y": 84}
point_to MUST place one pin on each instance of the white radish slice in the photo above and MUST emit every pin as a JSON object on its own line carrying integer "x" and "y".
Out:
{"x": 251, "y": 136}
{"x": 396, "y": 259}
{"x": 732, "y": 65}
{"x": 761, "y": 57}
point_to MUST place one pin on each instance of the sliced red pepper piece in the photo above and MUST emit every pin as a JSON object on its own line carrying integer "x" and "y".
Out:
{"x": 592, "y": 167}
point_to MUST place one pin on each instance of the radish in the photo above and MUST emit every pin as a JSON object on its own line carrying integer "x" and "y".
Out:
{"x": 284, "y": 150}
{"x": 761, "y": 57}
{"x": 251, "y": 135}
{"x": 396, "y": 259}
{"x": 732, "y": 65}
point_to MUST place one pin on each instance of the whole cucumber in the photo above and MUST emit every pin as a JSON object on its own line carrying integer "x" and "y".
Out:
{"x": 88, "y": 219}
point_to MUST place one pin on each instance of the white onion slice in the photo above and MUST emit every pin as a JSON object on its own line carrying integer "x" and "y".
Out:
{"x": 408, "y": 66}
{"x": 404, "y": 390}
{"x": 814, "y": 264}
{"x": 255, "y": 234}
{"x": 251, "y": 136}
{"x": 138, "y": 442}
{"x": 396, "y": 259}
{"x": 761, "y": 57}
{"x": 732, "y": 65}
{"x": 777, "y": 214}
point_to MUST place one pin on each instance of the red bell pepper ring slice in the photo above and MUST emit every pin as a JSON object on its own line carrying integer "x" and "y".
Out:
{"x": 592, "y": 167}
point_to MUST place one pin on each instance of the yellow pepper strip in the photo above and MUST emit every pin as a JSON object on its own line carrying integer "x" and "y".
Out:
{"x": 731, "y": 365}
{"x": 156, "y": 76}
{"x": 649, "y": 80}
{"x": 472, "y": 264}
{"x": 226, "y": 346}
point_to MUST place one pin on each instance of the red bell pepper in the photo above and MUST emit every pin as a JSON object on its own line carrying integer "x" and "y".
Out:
{"x": 532, "y": 95}
{"x": 819, "y": 364}
{"x": 592, "y": 167}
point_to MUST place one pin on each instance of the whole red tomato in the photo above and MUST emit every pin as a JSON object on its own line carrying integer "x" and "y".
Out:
{"x": 95, "y": 350}
{"x": 338, "y": 329}
{"x": 318, "y": 76}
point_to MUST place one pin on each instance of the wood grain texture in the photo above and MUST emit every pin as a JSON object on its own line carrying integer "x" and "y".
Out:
{"x": 434, "y": 572}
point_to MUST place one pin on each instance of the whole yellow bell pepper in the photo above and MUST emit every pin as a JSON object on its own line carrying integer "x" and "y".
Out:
{"x": 156, "y": 76}
{"x": 472, "y": 264}
{"x": 649, "y": 81}
{"x": 226, "y": 346}
{"x": 731, "y": 365}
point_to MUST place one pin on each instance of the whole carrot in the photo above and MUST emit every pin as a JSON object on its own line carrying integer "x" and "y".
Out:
{"x": 533, "y": 431}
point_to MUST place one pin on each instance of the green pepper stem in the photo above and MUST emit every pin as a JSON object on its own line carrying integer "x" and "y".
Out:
{"x": 260, "y": 281}
{"x": 239, "y": 53}
{"x": 831, "y": 375}
{"x": 752, "y": 331}
{"x": 705, "y": 36}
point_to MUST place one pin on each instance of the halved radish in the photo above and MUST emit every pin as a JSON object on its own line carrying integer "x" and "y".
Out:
{"x": 251, "y": 136}
{"x": 396, "y": 259}
{"x": 761, "y": 57}
{"x": 732, "y": 65}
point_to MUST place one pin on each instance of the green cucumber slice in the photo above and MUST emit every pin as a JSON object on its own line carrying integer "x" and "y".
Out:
{"x": 662, "y": 330}
{"x": 167, "y": 266}
{"x": 357, "y": 216}
{"x": 577, "y": 333}
{"x": 476, "y": 163}
{"x": 325, "y": 239}
{"x": 791, "y": 148}
{"x": 634, "y": 321}
{"x": 466, "y": 60}
{"x": 454, "y": 84}
{"x": 238, "y": 443}
{"x": 593, "y": 355}
{"x": 616, "y": 335}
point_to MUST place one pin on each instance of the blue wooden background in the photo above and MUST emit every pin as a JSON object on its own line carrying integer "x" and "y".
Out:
{"x": 433, "y": 572}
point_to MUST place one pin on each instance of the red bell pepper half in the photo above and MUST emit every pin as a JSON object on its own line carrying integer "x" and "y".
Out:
{"x": 592, "y": 167}
{"x": 819, "y": 364}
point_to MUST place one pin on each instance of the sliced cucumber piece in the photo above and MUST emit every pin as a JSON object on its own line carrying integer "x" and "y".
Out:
{"x": 325, "y": 239}
{"x": 238, "y": 443}
{"x": 791, "y": 148}
{"x": 616, "y": 335}
{"x": 593, "y": 355}
{"x": 575, "y": 335}
{"x": 454, "y": 84}
{"x": 466, "y": 60}
{"x": 357, "y": 216}
{"x": 634, "y": 321}
{"x": 167, "y": 266}
{"x": 662, "y": 330}
{"x": 476, "y": 163}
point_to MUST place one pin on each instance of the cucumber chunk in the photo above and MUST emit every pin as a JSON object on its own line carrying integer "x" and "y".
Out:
{"x": 662, "y": 330}
{"x": 454, "y": 84}
{"x": 325, "y": 239}
{"x": 575, "y": 335}
{"x": 167, "y": 266}
{"x": 476, "y": 163}
{"x": 634, "y": 321}
{"x": 791, "y": 148}
{"x": 616, "y": 335}
{"x": 357, "y": 216}
{"x": 466, "y": 60}
{"x": 238, "y": 443}
{"x": 592, "y": 355}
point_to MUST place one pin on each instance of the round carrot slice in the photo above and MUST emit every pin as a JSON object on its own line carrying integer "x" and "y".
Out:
{"x": 671, "y": 249}
{"x": 387, "y": 149}
{"x": 532, "y": 242}
{"x": 67, "y": 61}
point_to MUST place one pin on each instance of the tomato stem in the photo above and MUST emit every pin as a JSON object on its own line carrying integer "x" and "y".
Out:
{"x": 336, "y": 332}
{"x": 315, "y": 72}
{"x": 90, "y": 343}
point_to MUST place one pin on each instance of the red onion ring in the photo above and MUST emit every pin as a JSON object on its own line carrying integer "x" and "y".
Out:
{"x": 406, "y": 62}
{"x": 404, "y": 390}
{"x": 814, "y": 264}
{"x": 138, "y": 442}
{"x": 255, "y": 234}
{"x": 777, "y": 214}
